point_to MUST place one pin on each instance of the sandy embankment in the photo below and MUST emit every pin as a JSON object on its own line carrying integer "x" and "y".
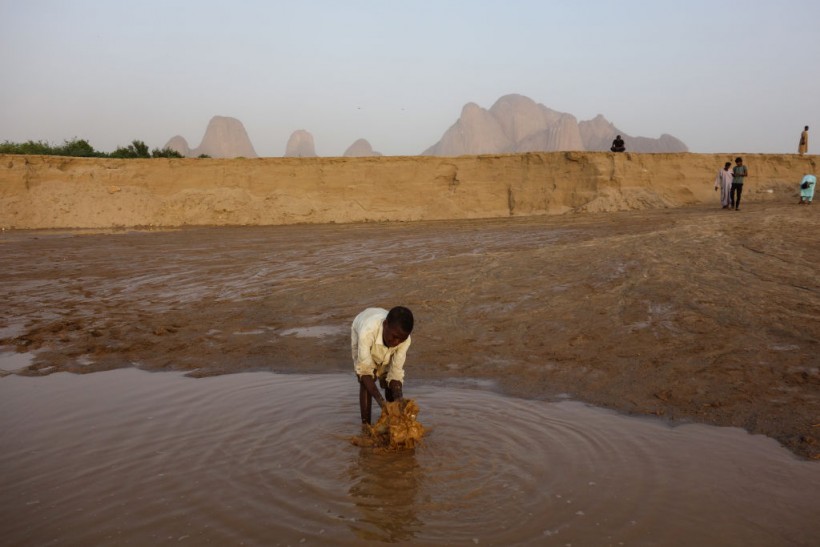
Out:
{"x": 56, "y": 192}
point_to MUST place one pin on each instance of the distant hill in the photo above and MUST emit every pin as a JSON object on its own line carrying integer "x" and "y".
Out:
{"x": 516, "y": 123}
{"x": 224, "y": 138}
{"x": 179, "y": 144}
{"x": 300, "y": 145}
{"x": 597, "y": 134}
{"x": 360, "y": 148}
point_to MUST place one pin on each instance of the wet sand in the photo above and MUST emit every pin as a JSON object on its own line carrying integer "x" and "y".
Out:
{"x": 694, "y": 314}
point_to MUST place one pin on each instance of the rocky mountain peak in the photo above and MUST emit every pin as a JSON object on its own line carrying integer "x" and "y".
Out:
{"x": 300, "y": 145}
{"x": 225, "y": 138}
{"x": 180, "y": 145}
{"x": 516, "y": 123}
{"x": 360, "y": 148}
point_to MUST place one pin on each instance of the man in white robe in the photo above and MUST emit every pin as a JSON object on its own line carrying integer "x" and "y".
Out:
{"x": 723, "y": 182}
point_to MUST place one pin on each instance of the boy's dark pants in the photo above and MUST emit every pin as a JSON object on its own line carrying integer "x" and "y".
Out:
{"x": 736, "y": 190}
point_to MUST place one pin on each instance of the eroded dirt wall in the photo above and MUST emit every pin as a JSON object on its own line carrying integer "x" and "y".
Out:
{"x": 58, "y": 192}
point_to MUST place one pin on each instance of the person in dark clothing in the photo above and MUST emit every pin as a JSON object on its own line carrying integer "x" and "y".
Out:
{"x": 739, "y": 173}
{"x": 618, "y": 145}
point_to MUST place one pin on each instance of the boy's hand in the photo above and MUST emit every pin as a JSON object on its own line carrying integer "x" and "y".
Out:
{"x": 396, "y": 390}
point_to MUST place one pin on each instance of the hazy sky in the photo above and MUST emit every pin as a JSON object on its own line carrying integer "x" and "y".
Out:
{"x": 723, "y": 76}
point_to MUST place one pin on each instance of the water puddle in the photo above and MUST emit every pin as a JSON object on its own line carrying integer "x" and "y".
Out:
{"x": 315, "y": 332}
{"x": 255, "y": 332}
{"x": 11, "y": 361}
{"x": 262, "y": 459}
{"x": 11, "y": 331}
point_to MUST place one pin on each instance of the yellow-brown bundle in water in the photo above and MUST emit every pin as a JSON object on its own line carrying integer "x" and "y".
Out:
{"x": 397, "y": 428}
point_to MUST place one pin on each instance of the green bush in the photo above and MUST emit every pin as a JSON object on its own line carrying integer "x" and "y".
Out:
{"x": 81, "y": 148}
{"x": 137, "y": 149}
{"x": 28, "y": 147}
{"x": 165, "y": 153}
{"x": 74, "y": 147}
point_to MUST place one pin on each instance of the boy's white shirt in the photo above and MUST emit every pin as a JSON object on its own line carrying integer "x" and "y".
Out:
{"x": 370, "y": 355}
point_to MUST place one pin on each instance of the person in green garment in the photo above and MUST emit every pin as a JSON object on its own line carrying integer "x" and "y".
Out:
{"x": 807, "y": 189}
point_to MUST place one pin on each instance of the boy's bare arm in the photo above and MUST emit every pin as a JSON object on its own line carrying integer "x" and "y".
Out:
{"x": 369, "y": 384}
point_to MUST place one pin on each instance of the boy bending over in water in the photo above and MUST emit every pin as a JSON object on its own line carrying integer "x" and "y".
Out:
{"x": 379, "y": 341}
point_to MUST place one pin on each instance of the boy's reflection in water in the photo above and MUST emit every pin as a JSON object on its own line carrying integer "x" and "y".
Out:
{"x": 384, "y": 487}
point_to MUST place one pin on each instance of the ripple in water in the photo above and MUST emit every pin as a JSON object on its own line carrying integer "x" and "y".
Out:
{"x": 262, "y": 459}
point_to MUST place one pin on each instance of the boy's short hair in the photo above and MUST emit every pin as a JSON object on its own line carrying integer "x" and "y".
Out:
{"x": 738, "y": 159}
{"x": 401, "y": 317}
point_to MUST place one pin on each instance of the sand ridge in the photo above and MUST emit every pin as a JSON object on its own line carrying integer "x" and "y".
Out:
{"x": 39, "y": 192}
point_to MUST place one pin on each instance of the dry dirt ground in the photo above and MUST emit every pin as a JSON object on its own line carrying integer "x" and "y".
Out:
{"x": 695, "y": 314}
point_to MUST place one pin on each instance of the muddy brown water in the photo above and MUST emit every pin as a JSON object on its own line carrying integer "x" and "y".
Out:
{"x": 128, "y": 457}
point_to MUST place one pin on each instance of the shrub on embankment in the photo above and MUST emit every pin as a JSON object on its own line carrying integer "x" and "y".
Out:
{"x": 81, "y": 148}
